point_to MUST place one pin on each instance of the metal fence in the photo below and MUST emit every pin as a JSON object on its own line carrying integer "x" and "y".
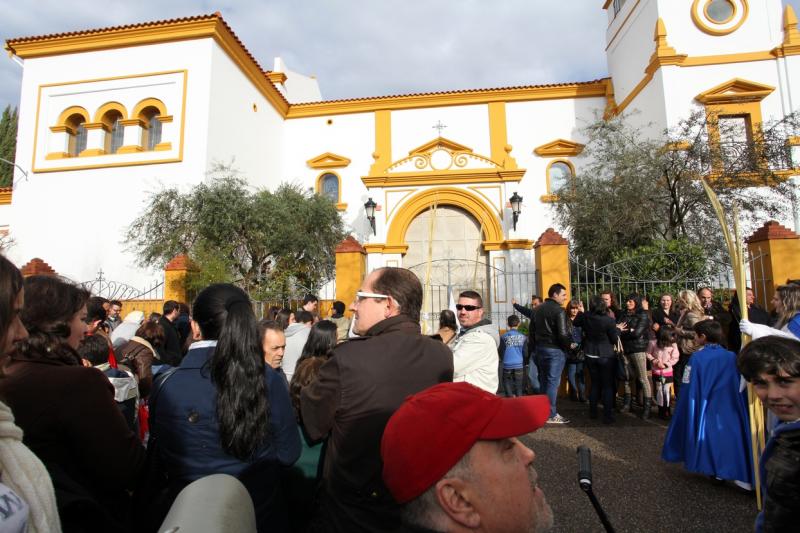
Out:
{"x": 444, "y": 279}
{"x": 117, "y": 290}
{"x": 624, "y": 277}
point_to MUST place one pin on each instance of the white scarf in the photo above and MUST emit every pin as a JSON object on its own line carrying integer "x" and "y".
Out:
{"x": 25, "y": 474}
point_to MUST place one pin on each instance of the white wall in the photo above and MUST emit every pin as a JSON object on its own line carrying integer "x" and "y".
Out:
{"x": 244, "y": 129}
{"x": 76, "y": 220}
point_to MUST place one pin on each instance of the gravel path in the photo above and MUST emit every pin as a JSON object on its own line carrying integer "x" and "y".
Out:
{"x": 638, "y": 491}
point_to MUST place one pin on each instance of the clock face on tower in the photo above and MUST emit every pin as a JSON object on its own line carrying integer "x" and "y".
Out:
{"x": 719, "y": 17}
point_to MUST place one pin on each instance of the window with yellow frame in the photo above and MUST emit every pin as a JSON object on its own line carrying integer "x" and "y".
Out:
{"x": 329, "y": 184}
{"x": 560, "y": 173}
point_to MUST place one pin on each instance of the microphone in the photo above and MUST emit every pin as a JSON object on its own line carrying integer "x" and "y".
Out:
{"x": 584, "y": 467}
{"x": 585, "y": 482}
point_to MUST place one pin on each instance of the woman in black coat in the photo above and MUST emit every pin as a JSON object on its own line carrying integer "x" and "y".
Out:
{"x": 599, "y": 337}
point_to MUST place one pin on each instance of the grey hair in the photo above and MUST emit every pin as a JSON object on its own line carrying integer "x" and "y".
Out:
{"x": 424, "y": 510}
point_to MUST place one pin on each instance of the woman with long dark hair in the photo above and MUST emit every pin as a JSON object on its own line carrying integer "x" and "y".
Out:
{"x": 224, "y": 410}
{"x": 68, "y": 413}
{"x": 321, "y": 340}
{"x": 23, "y": 477}
{"x": 600, "y": 334}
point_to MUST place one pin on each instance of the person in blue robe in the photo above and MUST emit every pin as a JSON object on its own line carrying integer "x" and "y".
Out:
{"x": 710, "y": 430}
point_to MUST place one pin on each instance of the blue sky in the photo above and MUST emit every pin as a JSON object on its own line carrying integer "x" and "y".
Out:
{"x": 366, "y": 47}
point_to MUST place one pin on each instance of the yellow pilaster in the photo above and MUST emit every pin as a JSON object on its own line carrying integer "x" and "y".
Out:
{"x": 351, "y": 267}
{"x": 780, "y": 250}
{"x": 552, "y": 261}
{"x": 175, "y": 278}
{"x": 498, "y": 136}
{"x": 383, "y": 142}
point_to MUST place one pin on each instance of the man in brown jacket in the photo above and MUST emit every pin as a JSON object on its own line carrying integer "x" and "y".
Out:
{"x": 357, "y": 391}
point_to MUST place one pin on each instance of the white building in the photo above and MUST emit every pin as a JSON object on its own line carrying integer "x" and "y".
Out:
{"x": 107, "y": 116}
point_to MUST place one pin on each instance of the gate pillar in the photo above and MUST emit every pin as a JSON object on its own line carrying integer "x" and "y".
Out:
{"x": 175, "y": 278}
{"x": 552, "y": 261}
{"x": 780, "y": 247}
{"x": 37, "y": 267}
{"x": 351, "y": 267}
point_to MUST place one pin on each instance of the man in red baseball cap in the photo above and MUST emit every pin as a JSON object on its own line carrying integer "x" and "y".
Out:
{"x": 452, "y": 458}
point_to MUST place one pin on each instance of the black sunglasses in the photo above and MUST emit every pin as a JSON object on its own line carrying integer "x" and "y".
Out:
{"x": 467, "y": 307}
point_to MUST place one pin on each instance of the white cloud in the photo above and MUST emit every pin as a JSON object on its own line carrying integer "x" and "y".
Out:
{"x": 367, "y": 47}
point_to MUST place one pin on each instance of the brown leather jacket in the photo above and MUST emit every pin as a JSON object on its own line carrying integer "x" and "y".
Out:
{"x": 138, "y": 355}
{"x": 356, "y": 392}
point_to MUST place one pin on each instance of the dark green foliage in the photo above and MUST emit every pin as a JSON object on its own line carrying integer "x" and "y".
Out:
{"x": 8, "y": 145}
{"x": 278, "y": 241}
{"x": 635, "y": 190}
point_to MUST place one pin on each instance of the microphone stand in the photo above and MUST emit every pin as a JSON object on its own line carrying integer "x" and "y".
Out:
{"x": 585, "y": 482}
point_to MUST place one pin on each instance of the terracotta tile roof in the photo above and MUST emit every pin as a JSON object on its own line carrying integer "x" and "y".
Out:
{"x": 111, "y": 29}
{"x": 350, "y": 244}
{"x": 459, "y": 91}
{"x": 770, "y": 231}
{"x": 550, "y": 236}
{"x": 37, "y": 267}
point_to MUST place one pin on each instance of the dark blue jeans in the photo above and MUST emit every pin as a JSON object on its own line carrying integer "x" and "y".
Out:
{"x": 575, "y": 376}
{"x": 513, "y": 382}
{"x": 551, "y": 365}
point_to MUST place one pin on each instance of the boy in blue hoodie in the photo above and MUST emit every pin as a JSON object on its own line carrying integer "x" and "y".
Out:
{"x": 512, "y": 345}
{"x": 772, "y": 365}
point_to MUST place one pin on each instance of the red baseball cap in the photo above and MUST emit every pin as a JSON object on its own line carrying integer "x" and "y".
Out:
{"x": 432, "y": 430}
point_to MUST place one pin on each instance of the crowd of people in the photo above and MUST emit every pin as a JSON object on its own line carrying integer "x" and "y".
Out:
{"x": 333, "y": 424}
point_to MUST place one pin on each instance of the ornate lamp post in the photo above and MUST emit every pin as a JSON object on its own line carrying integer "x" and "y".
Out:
{"x": 369, "y": 208}
{"x": 516, "y": 207}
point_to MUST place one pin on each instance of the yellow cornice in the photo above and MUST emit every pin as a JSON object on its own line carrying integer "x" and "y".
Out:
{"x": 328, "y": 160}
{"x": 417, "y": 179}
{"x": 559, "y": 148}
{"x": 132, "y": 122}
{"x": 664, "y": 54}
{"x": 380, "y": 248}
{"x": 213, "y": 27}
{"x": 479, "y": 96}
{"x": 736, "y": 90}
{"x": 517, "y": 244}
{"x": 276, "y": 77}
{"x": 5, "y": 196}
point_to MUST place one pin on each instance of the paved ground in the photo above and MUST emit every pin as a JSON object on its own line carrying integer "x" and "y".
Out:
{"x": 639, "y": 492}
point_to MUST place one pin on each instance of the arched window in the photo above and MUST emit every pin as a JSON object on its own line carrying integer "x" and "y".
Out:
{"x": 111, "y": 114}
{"x": 329, "y": 186}
{"x": 115, "y": 136}
{"x": 151, "y": 129}
{"x": 77, "y": 138}
{"x": 559, "y": 175}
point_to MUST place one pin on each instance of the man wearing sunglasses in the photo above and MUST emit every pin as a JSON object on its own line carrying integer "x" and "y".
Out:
{"x": 475, "y": 357}
{"x": 359, "y": 388}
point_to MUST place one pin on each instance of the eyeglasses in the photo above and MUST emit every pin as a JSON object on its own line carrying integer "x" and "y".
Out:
{"x": 361, "y": 295}
{"x": 467, "y": 307}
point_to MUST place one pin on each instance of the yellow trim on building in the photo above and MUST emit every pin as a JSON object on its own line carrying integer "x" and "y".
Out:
{"x": 56, "y": 155}
{"x": 149, "y": 102}
{"x": 471, "y": 97}
{"x": 383, "y": 142}
{"x": 132, "y": 122}
{"x": 487, "y": 217}
{"x": 5, "y": 197}
{"x": 551, "y": 196}
{"x": 164, "y": 146}
{"x": 328, "y": 160}
{"x": 559, "y": 148}
{"x": 277, "y": 78}
{"x": 707, "y": 25}
{"x": 498, "y": 136}
{"x": 101, "y": 112}
{"x": 445, "y": 177}
{"x": 339, "y": 205}
{"x": 91, "y": 152}
{"x": 130, "y": 149}
{"x": 73, "y": 110}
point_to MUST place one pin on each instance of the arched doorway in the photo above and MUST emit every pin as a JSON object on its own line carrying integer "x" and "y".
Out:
{"x": 452, "y": 261}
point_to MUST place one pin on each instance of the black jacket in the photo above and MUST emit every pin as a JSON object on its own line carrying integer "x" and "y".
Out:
{"x": 600, "y": 334}
{"x": 637, "y": 335}
{"x": 551, "y": 326}
{"x": 170, "y": 352}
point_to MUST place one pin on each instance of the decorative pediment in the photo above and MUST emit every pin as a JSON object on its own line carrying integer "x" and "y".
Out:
{"x": 559, "y": 148}
{"x": 440, "y": 142}
{"x": 328, "y": 160}
{"x": 445, "y": 162}
{"x": 734, "y": 91}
